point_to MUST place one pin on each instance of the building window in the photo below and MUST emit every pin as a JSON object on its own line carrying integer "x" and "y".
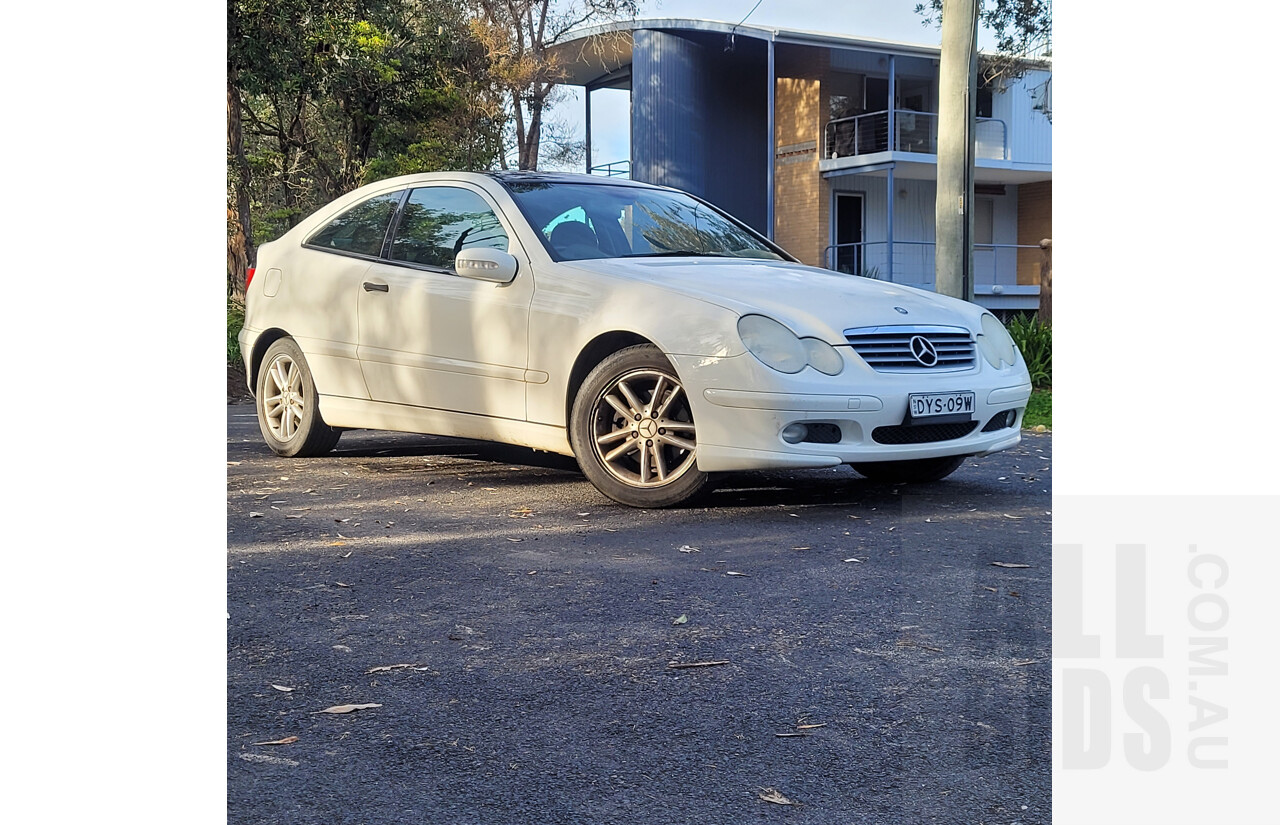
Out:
{"x": 985, "y": 102}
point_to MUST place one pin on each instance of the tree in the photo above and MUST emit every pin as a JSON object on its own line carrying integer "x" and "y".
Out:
{"x": 518, "y": 35}
{"x": 325, "y": 95}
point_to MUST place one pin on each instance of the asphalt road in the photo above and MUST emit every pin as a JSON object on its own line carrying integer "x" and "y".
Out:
{"x": 862, "y": 649}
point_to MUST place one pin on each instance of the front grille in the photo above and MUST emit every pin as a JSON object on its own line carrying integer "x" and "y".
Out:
{"x": 888, "y": 349}
{"x": 922, "y": 433}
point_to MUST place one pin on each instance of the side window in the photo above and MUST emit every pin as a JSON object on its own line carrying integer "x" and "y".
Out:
{"x": 440, "y": 221}
{"x": 361, "y": 229}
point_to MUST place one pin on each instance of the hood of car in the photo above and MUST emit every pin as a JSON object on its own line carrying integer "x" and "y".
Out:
{"x": 810, "y": 301}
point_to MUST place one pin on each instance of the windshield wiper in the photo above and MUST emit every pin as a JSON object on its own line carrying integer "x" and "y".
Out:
{"x": 684, "y": 253}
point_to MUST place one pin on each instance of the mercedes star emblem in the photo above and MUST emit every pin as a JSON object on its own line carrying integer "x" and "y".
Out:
{"x": 923, "y": 351}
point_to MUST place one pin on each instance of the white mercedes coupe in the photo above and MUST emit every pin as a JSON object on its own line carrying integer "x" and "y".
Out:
{"x": 637, "y": 328}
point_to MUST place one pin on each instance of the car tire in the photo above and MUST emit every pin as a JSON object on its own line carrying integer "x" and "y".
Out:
{"x": 916, "y": 471}
{"x": 288, "y": 406}
{"x": 632, "y": 431}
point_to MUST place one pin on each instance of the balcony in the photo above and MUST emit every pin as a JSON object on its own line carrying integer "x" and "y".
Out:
{"x": 911, "y": 263}
{"x": 915, "y": 132}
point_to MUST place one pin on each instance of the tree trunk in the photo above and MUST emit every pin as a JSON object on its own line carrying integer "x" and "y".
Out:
{"x": 529, "y": 158}
{"x": 1046, "y": 283}
{"x": 240, "y": 249}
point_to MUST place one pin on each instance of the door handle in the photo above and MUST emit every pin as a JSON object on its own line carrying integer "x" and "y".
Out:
{"x": 372, "y": 287}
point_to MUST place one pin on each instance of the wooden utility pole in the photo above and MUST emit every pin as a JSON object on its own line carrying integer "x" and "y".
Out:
{"x": 957, "y": 85}
{"x": 1045, "y": 313}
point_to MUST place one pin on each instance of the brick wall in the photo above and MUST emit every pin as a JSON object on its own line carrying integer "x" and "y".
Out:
{"x": 802, "y": 200}
{"x": 1035, "y": 223}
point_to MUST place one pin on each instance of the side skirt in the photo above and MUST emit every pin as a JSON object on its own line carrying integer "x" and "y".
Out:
{"x": 362, "y": 414}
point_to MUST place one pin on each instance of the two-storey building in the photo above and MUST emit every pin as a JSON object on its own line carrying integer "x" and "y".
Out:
{"x": 827, "y": 144}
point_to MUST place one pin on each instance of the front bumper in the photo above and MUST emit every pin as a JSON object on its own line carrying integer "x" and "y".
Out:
{"x": 860, "y": 413}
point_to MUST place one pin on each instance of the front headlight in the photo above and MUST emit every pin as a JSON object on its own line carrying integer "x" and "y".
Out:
{"x": 781, "y": 349}
{"x": 995, "y": 344}
{"x": 822, "y": 356}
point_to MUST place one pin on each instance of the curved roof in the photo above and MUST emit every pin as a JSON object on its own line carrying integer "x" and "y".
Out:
{"x": 592, "y": 53}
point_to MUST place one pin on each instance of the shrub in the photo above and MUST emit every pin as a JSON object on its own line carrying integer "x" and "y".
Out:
{"x": 1035, "y": 341}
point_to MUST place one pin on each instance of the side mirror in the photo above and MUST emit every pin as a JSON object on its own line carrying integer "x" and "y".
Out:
{"x": 482, "y": 264}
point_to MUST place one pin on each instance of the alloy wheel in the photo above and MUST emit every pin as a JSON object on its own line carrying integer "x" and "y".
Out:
{"x": 643, "y": 430}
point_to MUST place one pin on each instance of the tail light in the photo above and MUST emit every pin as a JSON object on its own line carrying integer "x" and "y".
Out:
{"x": 248, "y": 278}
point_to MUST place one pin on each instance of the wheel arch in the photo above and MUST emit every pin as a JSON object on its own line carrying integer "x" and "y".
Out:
{"x": 260, "y": 346}
{"x": 596, "y": 350}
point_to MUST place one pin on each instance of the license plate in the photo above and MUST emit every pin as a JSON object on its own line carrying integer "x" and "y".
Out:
{"x": 940, "y": 403}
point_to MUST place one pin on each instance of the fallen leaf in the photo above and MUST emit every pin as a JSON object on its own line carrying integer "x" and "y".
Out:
{"x": 772, "y": 795}
{"x": 992, "y": 589}
{"x": 681, "y": 619}
{"x": 859, "y": 561}
{"x": 801, "y": 548}
{"x": 511, "y": 539}
{"x": 345, "y": 708}
{"x": 678, "y": 665}
{"x": 269, "y": 760}
{"x": 1007, "y": 564}
{"x": 1006, "y": 515}
{"x": 288, "y": 740}
{"x": 283, "y": 688}
{"x": 387, "y": 668}
{"x": 688, "y": 549}
{"x": 342, "y": 584}
{"x": 255, "y": 515}
{"x": 793, "y": 734}
{"x": 808, "y": 727}
{"x": 735, "y": 573}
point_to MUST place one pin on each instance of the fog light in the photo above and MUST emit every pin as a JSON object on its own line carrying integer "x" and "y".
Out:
{"x": 794, "y": 433}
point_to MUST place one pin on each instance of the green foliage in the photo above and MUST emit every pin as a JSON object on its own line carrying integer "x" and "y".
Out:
{"x": 1035, "y": 341}
{"x": 235, "y": 320}
{"x": 1039, "y": 410}
{"x": 333, "y": 94}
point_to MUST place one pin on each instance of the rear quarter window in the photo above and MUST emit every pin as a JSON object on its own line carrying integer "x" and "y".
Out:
{"x": 361, "y": 229}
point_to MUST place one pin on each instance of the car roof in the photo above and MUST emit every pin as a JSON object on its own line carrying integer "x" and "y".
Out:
{"x": 509, "y": 176}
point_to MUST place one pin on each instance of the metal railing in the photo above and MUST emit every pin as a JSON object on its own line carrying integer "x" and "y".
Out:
{"x": 615, "y": 169}
{"x": 913, "y": 132}
{"x": 912, "y": 262}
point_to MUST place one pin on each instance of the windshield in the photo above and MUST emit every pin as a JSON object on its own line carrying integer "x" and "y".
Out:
{"x": 577, "y": 221}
